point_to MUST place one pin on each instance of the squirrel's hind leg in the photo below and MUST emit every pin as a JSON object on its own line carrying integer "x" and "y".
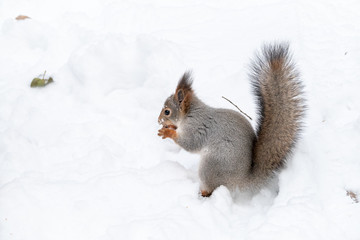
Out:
{"x": 208, "y": 180}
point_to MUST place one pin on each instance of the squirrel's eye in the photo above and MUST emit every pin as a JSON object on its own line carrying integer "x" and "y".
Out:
{"x": 167, "y": 112}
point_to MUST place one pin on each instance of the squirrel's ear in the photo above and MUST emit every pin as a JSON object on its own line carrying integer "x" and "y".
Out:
{"x": 183, "y": 87}
{"x": 180, "y": 95}
{"x": 184, "y": 92}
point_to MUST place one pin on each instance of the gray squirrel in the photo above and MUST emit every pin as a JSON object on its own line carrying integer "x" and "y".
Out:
{"x": 232, "y": 153}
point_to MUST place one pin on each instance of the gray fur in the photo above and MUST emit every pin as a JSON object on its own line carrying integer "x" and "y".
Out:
{"x": 231, "y": 154}
{"x": 214, "y": 133}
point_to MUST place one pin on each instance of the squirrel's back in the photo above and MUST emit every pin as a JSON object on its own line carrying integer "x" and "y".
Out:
{"x": 278, "y": 90}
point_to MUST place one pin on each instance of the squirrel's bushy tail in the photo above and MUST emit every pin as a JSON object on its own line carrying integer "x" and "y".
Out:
{"x": 281, "y": 106}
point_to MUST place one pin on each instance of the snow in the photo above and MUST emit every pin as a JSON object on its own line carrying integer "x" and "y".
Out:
{"x": 81, "y": 159}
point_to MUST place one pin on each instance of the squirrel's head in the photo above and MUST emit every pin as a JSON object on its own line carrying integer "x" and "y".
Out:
{"x": 178, "y": 104}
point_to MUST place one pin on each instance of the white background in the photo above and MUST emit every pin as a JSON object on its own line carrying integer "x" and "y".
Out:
{"x": 81, "y": 159}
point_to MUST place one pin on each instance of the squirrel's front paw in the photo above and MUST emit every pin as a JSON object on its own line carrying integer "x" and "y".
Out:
{"x": 167, "y": 133}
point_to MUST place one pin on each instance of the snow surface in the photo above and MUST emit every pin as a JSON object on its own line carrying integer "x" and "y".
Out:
{"x": 81, "y": 159}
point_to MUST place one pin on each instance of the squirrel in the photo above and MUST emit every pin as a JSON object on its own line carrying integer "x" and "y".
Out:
{"x": 233, "y": 154}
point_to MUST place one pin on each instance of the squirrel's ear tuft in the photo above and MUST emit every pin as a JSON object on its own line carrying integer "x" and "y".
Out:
{"x": 185, "y": 83}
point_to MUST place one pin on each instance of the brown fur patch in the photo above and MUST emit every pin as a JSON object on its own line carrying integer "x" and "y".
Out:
{"x": 185, "y": 105}
{"x": 277, "y": 64}
{"x": 184, "y": 92}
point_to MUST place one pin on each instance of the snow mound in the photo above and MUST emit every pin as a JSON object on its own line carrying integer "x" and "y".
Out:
{"x": 81, "y": 159}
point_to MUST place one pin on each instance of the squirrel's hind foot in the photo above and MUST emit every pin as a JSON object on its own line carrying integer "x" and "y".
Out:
{"x": 205, "y": 193}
